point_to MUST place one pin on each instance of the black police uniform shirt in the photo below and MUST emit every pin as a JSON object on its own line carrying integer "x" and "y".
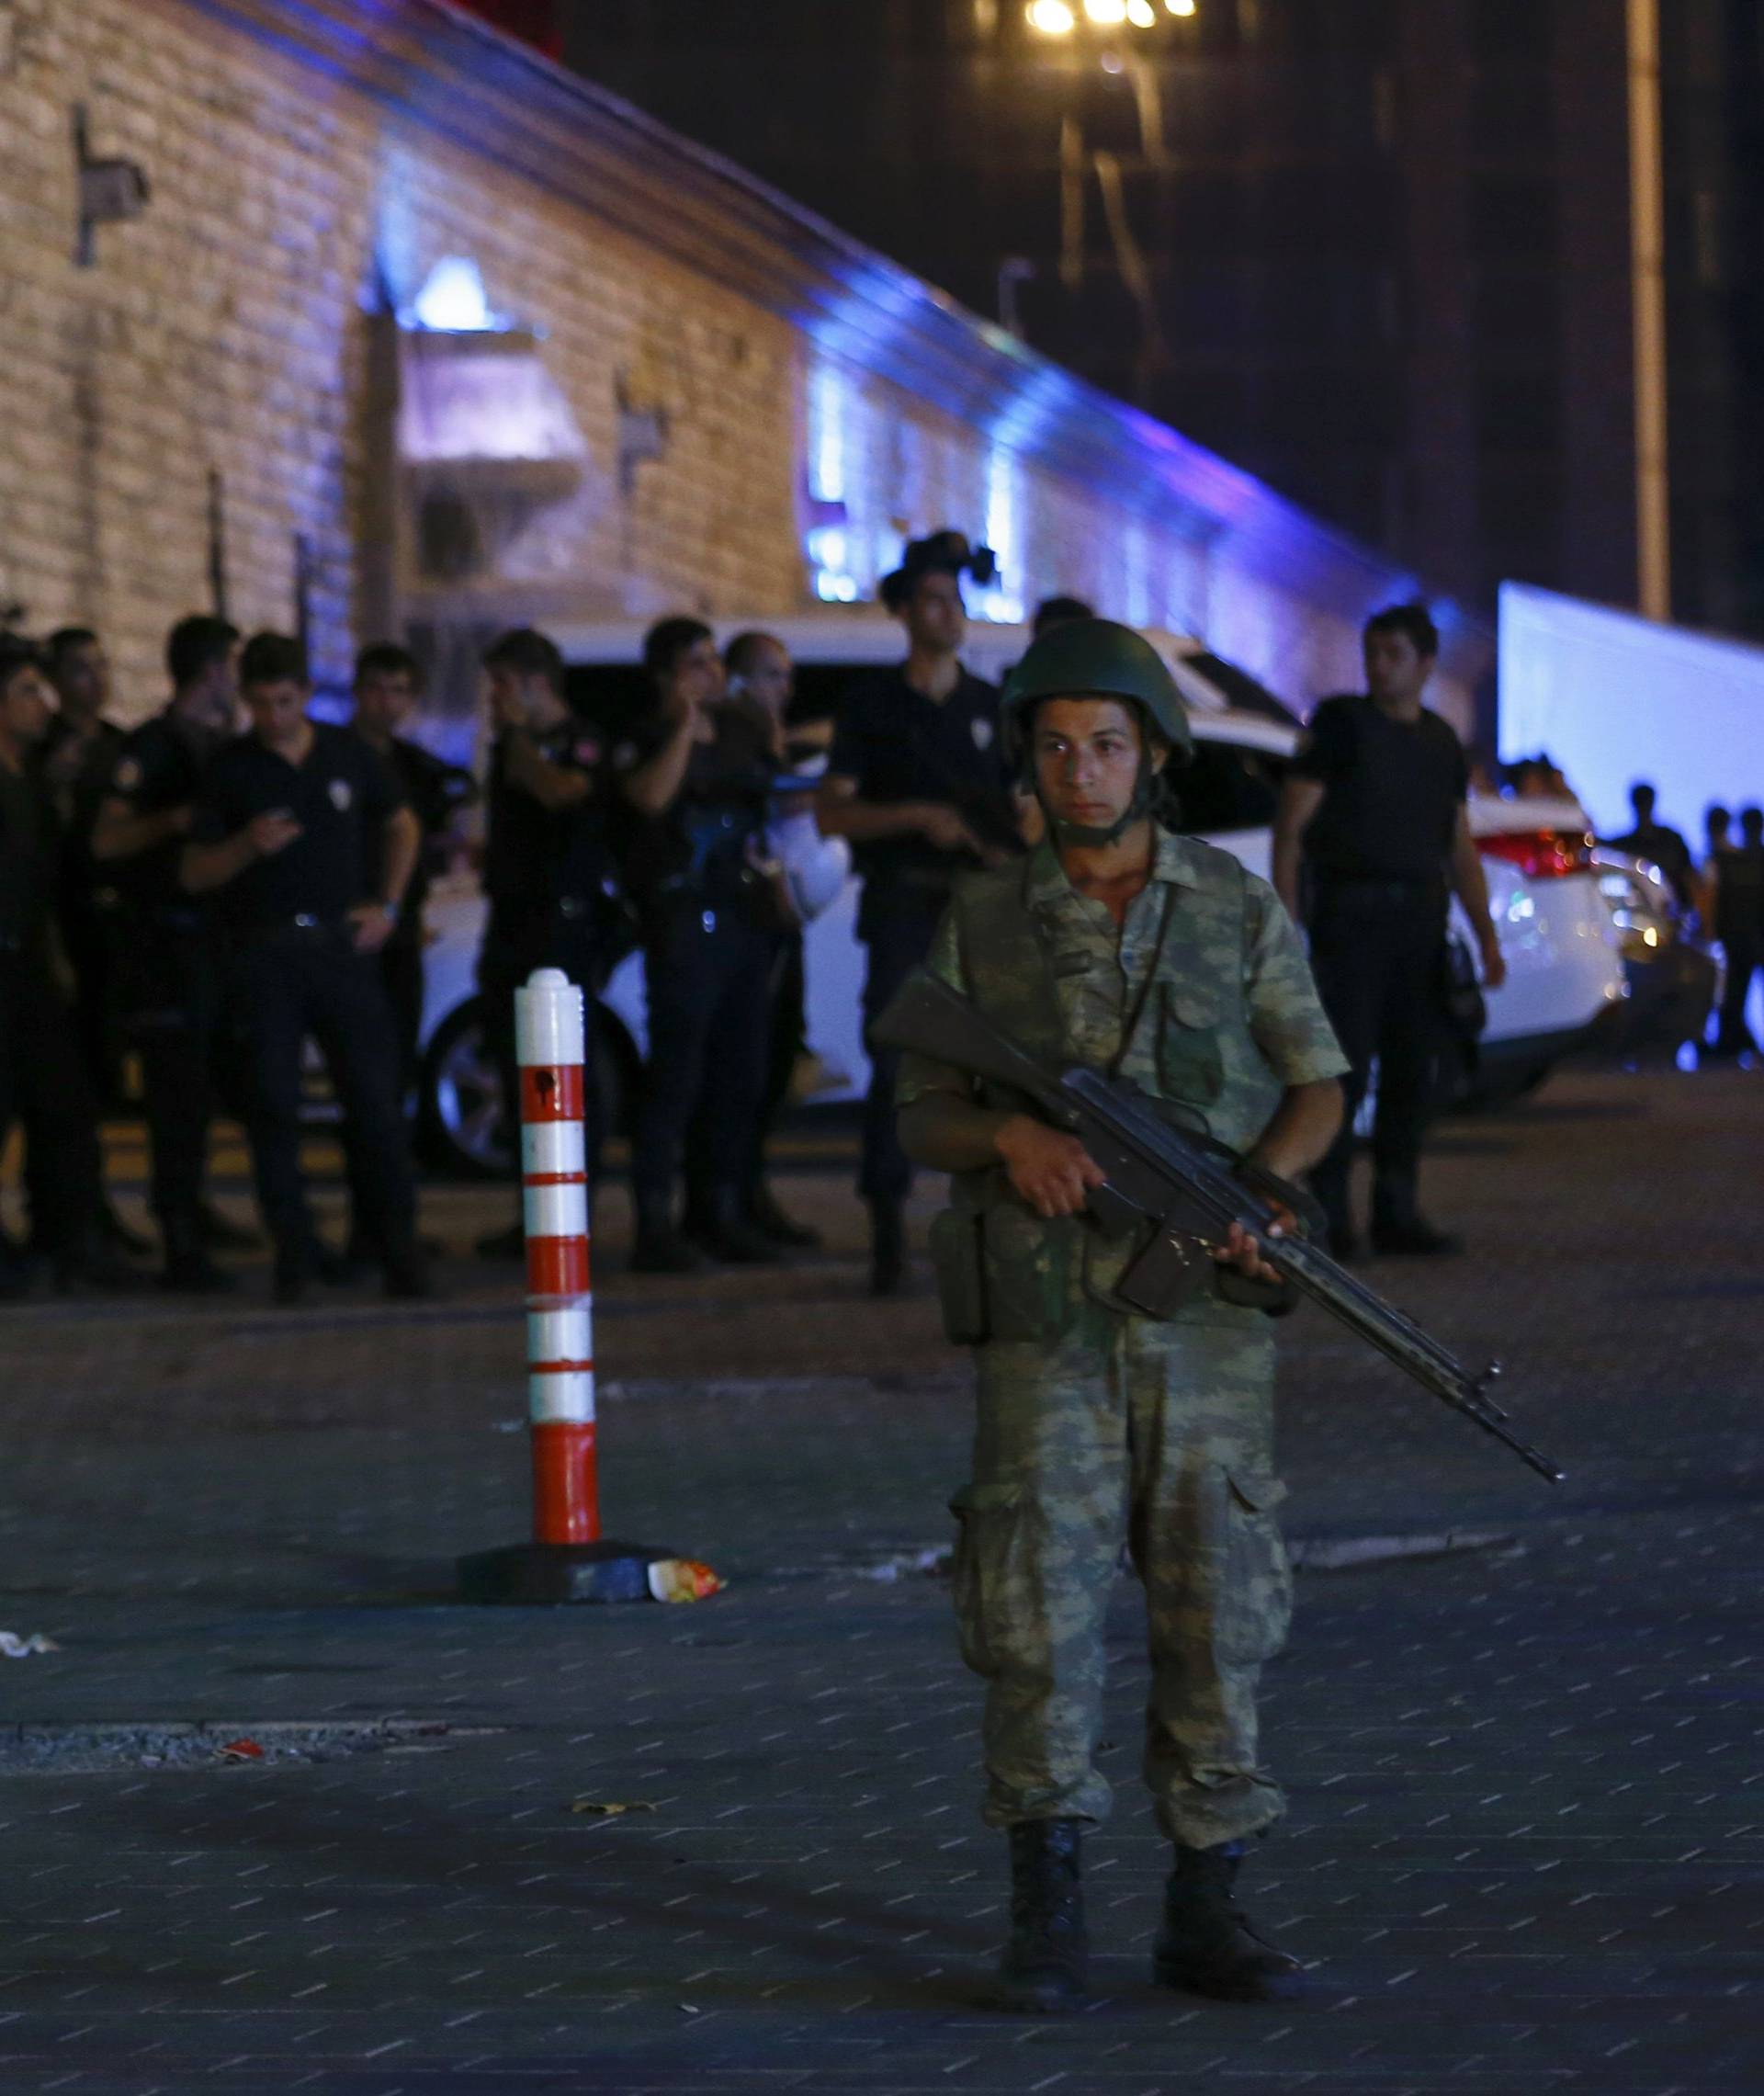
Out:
{"x": 535, "y": 857}
{"x": 897, "y": 744}
{"x": 30, "y": 859}
{"x": 160, "y": 767}
{"x": 697, "y": 848}
{"x": 341, "y": 795}
{"x": 1391, "y": 790}
{"x": 434, "y": 791}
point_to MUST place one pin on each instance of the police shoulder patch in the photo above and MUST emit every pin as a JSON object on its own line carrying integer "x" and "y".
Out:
{"x": 342, "y": 794}
{"x": 983, "y": 732}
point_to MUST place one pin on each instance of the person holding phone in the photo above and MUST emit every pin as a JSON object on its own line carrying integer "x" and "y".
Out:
{"x": 281, "y": 839}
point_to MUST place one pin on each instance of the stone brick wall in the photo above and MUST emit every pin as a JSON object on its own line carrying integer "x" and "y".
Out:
{"x": 231, "y": 330}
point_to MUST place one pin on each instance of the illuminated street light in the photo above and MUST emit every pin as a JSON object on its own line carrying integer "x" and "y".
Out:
{"x": 1061, "y": 18}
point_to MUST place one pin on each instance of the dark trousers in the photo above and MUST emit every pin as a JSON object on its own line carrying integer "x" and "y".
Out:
{"x": 1375, "y": 951}
{"x": 783, "y": 1044}
{"x": 287, "y": 985}
{"x": 42, "y": 1084}
{"x": 899, "y": 936}
{"x": 401, "y": 970}
{"x": 515, "y": 943}
{"x": 89, "y": 938}
{"x": 708, "y": 976}
{"x": 1745, "y": 957}
{"x": 169, "y": 989}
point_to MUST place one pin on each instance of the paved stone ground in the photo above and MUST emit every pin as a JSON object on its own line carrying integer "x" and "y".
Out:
{"x": 1526, "y": 1845}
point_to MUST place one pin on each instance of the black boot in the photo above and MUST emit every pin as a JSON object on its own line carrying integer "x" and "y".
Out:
{"x": 1398, "y": 1227}
{"x": 725, "y": 1232}
{"x": 1206, "y": 1946}
{"x": 1046, "y": 1961}
{"x": 1330, "y": 1187}
{"x": 188, "y": 1270}
{"x": 220, "y": 1233}
{"x": 887, "y": 1249}
{"x": 121, "y": 1236}
{"x": 659, "y": 1248}
{"x": 773, "y": 1221}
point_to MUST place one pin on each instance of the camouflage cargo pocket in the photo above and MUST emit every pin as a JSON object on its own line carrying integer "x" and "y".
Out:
{"x": 956, "y": 1262}
{"x": 986, "y": 1574}
{"x": 1028, "y": 1266}
{"x": 1255, "y": 1603}
{"x": 1191, "y": 1054}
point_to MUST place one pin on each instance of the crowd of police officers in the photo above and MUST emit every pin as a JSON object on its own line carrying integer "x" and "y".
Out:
{"x": 204, "y": 902}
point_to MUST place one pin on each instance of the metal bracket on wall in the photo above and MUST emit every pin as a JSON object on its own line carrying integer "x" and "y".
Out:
{"x": 110, "y": 191}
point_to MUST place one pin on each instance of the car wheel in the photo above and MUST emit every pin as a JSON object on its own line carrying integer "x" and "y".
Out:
{"x": 460, "y": 1102}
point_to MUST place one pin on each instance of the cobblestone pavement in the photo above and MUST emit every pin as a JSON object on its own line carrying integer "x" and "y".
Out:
{"x": 1526, "y": 1848}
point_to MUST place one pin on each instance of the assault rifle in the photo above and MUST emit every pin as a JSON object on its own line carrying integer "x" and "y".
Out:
{"x": 1178, "y": 1192}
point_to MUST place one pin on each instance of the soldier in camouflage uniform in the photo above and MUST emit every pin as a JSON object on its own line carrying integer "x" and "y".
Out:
{"x": 1157, "y": 958}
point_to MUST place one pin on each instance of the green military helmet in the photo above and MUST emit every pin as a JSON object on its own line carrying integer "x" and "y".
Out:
{"x": 1096, "y": 658}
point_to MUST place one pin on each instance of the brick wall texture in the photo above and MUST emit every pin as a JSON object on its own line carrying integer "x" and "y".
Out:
{"x": 229, "y": 328}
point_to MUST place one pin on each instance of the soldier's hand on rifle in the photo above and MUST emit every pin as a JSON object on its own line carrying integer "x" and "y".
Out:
{"x": 1242, "y": 1250}
{"x": 1051, "y": 1172}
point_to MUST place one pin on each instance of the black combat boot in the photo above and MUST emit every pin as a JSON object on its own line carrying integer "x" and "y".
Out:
{"x": 726, "y": 1233}
{"x": 887, "y": 1249}
{"x": 777, "y": 1224}
{"x": 1046, "y": 1959}
{"x": 659, "y": 1248}
{"x": 189, "y": 1269}
{"x": 1398, "y": 1227}
{"x": 1206, "y": 1945}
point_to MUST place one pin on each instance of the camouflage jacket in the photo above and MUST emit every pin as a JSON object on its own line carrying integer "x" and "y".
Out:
{"x": 1202, "y": 997}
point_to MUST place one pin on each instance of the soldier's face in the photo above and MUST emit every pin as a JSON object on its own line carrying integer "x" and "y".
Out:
{"x": 1087, "y": 759}
{"x": 27, "y": 707}
{"x": 277, "y": 709}
{"x": 383, "y": 700}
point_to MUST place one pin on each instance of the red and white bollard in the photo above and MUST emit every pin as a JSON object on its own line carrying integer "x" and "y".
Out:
{"x": 566, "y": 1560}
{"x": 550, "y": 1047}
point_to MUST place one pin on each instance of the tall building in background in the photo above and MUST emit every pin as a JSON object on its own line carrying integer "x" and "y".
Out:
{"x": 1377, "y": 251}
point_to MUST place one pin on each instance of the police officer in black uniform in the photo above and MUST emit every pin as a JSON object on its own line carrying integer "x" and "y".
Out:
{"x": 280, "y": 839}
{"x": 695, "y": 775}
{"x": 1376, "y": 806}
{"x": 387, "y": 685}
{"x": 167, "y": 966}
{"x": 917, "y": 781}
{"x": 43, "y": 1080}
{"x": 548, "y": 866}
{"x": 78, "y": 756}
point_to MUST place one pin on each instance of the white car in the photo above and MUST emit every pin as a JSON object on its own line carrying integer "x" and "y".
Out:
{"x": 1565, "y": 968}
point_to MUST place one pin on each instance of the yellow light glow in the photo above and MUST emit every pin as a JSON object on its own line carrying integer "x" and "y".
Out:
{"x": 1107, "y": 13}
{"x": 1179, "y": 6}
{"x": 1140, "y": 14}
{"x": 1052, "y": 18}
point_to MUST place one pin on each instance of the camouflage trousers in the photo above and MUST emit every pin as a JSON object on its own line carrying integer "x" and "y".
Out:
{"x": 1160, "y": 1434}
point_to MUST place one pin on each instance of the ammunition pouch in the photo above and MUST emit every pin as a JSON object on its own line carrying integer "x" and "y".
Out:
{"x": 1004, "y": 1274}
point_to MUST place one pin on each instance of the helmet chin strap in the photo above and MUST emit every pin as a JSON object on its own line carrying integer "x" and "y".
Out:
{"x": 1091, "y": 835}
